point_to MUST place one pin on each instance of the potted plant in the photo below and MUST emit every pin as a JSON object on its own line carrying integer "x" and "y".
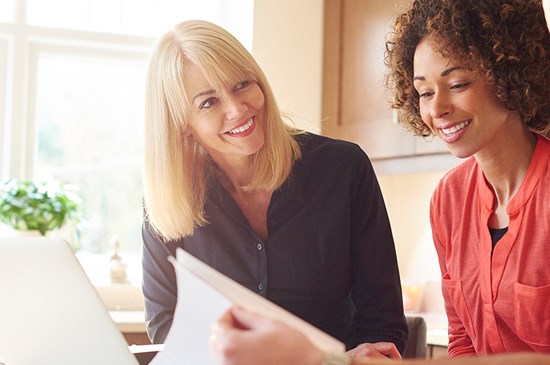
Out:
{"x": 41, "y": 206}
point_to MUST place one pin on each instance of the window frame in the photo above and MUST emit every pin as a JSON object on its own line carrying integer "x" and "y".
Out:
{"x": 21, "y": 46}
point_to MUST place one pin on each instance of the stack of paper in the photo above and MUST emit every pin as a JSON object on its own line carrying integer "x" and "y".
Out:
{"x": 204, "y": 294}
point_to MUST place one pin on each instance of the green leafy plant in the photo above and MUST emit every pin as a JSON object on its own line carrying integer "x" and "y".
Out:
{"x": 44, "y": 206}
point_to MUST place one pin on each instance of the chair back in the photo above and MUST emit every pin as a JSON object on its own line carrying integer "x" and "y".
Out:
{"x": 416, "y": 344}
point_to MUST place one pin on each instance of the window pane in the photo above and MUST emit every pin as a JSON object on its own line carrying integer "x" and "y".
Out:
{"x": 4, "y": 145}
{"x": 142, "y": 17}
{"x": 89, "y": 121}
{"x": 7, "y": 11}
{"x": 47, "y": 13}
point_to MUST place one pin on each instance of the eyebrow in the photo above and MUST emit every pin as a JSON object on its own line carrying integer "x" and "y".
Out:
{"x": 443, "y": 74}
{"x": 207, "y": 92}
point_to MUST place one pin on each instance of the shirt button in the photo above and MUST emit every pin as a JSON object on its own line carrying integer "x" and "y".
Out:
{"x": 261, "y": 286}
{"x": 259, "y": 246}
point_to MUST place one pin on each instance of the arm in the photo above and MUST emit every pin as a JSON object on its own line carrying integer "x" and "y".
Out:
{"x": 244, "y": 338}
{"x": 159, "y": 286}
{"x": 376, "y": 284}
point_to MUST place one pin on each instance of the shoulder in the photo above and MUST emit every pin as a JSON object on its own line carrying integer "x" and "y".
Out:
{"x": 314, "y": 146}
{"x": 543, "y": 143}
{"x": 456, "y": 183}
{"x": 331, "y": 161}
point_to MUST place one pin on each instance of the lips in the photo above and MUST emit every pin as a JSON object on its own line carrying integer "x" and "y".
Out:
{"x": 455, "y": 128}
{"x": 246, "y": 126}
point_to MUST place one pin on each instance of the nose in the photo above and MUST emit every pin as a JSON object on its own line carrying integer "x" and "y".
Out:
{"x": 440, "y": 105}
{"x": 235, "y": 107}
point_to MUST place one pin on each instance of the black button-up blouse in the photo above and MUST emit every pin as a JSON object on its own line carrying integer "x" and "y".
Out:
{"x": 329, "y": 257}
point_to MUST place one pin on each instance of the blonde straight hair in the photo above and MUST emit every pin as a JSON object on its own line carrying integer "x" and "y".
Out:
{"x": 177, "y": 168}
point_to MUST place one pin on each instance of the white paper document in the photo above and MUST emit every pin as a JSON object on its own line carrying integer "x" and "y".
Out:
{"x": 204, "y": 294}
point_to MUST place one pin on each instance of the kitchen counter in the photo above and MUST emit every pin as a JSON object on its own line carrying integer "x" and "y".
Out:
{"x": 436, "y": 325}
{"x": 129, "y": 321}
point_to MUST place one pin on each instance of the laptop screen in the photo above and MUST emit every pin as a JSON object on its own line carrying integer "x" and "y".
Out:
{"x": 49, "y": 311}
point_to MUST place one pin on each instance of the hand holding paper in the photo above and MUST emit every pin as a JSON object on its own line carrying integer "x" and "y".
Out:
{"x": 204, "y": 295}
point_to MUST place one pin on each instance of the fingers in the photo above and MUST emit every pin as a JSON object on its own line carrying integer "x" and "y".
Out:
{"x": 245, "y": 319}
{"x": 376, "y": 350}
{"x": 214, "y": 342}
{"x": 388, "y": 349}
{"x": 226, "y": 321}
{"x": 234, "y": 335}
{"x": 222, "y": 333}
{"x": 245, "y": 338}
{"x": 365, "y": 350}
{"x": 225, "y": 339}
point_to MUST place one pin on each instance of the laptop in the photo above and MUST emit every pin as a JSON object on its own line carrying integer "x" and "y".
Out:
{"x": 49, "y": 311}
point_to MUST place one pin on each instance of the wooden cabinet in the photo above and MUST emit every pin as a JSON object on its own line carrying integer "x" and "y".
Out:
{"x": 136, "y": 338}
{"x": 354, "y": 96}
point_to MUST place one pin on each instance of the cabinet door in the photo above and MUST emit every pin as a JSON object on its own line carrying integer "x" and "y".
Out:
{"x": 354, "y": 96}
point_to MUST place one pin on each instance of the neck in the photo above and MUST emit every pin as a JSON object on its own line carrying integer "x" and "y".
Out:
{"x": 235, "y": 176}
{"x": 506, "y": 165}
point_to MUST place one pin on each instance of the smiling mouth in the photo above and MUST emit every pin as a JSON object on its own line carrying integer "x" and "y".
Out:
{"x": 243, "y": 128}
{"x": 455, "y": 128}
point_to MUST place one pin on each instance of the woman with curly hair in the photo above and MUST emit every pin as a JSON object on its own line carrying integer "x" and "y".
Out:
{"x": 476, "y": 74}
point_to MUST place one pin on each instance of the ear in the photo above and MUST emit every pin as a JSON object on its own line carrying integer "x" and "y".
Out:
{"x": 187, "y": 138}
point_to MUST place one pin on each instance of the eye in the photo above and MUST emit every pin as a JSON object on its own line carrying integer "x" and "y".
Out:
{"x": 208, "y": 103}
{"x": 242, "y": 85}
{"x": 425, "y": 94}
{"x": 460, "y": 85}
{"x": 422, "y": 89}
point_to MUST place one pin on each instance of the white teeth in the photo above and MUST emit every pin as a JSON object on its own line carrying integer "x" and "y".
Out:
{"x": 455, "y": 128}
{"x": 243, "y": 127}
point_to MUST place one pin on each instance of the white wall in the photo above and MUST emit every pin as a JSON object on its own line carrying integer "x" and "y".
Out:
{"x": 288, "y": 45}
{"x": 407, "y": 199}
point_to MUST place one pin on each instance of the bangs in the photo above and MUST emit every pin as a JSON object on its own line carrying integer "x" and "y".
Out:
{"x": 222, "y": 68}
{"x": 219, "y": 75}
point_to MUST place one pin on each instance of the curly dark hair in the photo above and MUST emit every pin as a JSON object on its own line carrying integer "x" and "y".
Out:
{"x": 506, "y": 40}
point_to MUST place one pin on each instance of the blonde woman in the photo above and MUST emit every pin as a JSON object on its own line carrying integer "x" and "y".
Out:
{"x": 296, "y": 217}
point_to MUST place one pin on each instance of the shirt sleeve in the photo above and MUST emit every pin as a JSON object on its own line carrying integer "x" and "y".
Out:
{"x": 159, "y": 286}
{"x": 376, "y": 284}
{"x": 460, "y": 343}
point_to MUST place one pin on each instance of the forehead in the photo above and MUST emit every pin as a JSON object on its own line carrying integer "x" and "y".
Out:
{"x": 427, "y": 58}
{"x": 432, "y": 53}
{"x": 194, "y": 79}
{"x": 212, "y": 76}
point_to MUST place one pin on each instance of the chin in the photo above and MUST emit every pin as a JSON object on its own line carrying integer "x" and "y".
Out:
{"x": 460, "y": 154}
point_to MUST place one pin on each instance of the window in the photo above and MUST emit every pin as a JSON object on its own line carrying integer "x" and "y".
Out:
{"x": 89, "y": 133}
{"x": 71, "y": 98}
{"x": 7, "y": 10}
{"x": 137, "y": 17}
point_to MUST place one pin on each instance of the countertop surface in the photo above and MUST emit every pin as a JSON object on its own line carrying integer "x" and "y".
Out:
{"x": 436, "y": 324}
{"x": 129, "y": 321}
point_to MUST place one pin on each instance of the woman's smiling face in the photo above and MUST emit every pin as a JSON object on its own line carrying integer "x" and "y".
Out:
{"x": 456, "y": 103}
{"x": 230, "y": 122}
